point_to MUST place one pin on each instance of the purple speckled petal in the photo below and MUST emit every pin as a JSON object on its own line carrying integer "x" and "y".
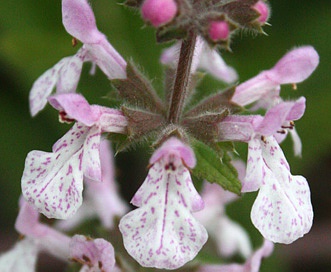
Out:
{"x": 162, "y": 233}
{"x": 104, "y": 195}
{"x": 282, "y": 211}
{"x": 255, "y": 169}
{"x": 43, "y": 87}
{"x": 22, "y": 257}
{"x": 53, "y": 182}
{"x": 101, "y": 198}
{"x": 64, "y": 75}
{"x": 91, "y": 161}
{"x": 96, "y": 255}
{"x": 70, "y": 73}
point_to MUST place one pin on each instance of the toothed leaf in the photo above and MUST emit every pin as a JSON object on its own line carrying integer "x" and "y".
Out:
{"x": 213, "y": 169}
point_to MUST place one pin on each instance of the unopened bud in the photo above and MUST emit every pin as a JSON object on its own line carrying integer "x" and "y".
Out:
{"x": 159, "y": 12}
{"x": 219, "y": 31}
{"x": 263, "y": 9}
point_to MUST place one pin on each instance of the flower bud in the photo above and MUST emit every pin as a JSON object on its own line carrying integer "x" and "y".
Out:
{"x": 219, "y": 30}
{"x": 159, "y": 12}
{"x": 263, "y": 9}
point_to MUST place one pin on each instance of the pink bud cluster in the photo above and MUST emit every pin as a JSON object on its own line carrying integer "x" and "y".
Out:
{"x": 159, "y": 12}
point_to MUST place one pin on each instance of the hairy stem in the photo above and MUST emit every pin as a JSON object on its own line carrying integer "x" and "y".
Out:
{"x": 180, "y": 89}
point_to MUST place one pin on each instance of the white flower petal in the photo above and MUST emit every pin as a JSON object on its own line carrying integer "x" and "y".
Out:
{"x": 212, "y": 62}
{"x": 91, "y": 162}
{"x": 162, "y": 233}
{"x": 108, "y": 59}
{"x": 70, "y": 73}
{"x": 232, "y": 238}
{"x": 53, "y": 182}
{"x": 21, "y": 258}
{"x": 43, "y": 87}
{"x": 255, "y": 167}
{"x": 282, "y": 211}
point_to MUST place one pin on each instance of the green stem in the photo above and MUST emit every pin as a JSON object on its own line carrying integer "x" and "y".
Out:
{"x": 183, "y": 74}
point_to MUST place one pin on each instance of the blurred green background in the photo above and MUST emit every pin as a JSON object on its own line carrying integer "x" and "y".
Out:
{"x": 32, "y": 39}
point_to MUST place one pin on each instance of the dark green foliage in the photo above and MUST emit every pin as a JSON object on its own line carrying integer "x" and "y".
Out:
{"x": 215, "y": 170}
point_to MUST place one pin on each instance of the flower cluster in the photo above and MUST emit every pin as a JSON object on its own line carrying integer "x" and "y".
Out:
{"x": 178, "y": 207}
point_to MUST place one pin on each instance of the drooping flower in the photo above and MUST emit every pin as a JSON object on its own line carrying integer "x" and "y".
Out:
{"x": 101, "y": 198}
{"x": 162, "y": 232}
{"x": 47, "y": 238}
{"x": 37, "y": 238}
{"x": 204, "y": 58}
{"x": 79, "y": 21}
{"x": 282, "y": 211}
{"x": 296, "y": 66}
{"x": 53, "y": 182}
{"x": 95, "y": 255}
{"x": 251, "y": 265}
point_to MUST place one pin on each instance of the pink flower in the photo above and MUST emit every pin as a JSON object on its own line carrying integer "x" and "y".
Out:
{"x": 46, "y": 238}
{"x": 38, "y": 237}
{"x": 162, "y": 232}
{"x": 95, "y": 255}
{"x": 79, "y": 21}
{"x": 296, "y": 66}
{"x": 282, "y": 211}
{"x": 53, "y": 182}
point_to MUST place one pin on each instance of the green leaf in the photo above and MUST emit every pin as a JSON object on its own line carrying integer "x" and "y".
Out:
{"x": 214, "y": 169}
